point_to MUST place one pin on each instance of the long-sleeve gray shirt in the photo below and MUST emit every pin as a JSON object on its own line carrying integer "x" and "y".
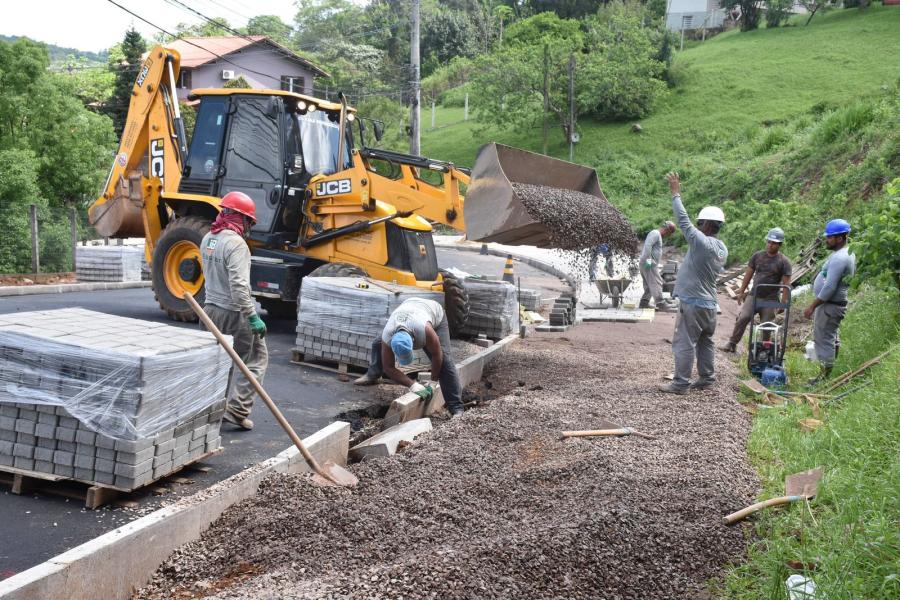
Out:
{"x": 652, "y": 247}
{"x": 831, "y": 284}
{"x": 226, "y": 269}
{"x": 696, "y": 280}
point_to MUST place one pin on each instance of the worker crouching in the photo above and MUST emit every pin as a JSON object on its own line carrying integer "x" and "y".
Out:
{"x": 229, "y": 304}
{"x": 417, "y": 324}
{"x": 695, "y": 289}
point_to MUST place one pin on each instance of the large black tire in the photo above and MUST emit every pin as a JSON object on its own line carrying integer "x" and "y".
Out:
{"x": 456, "y": 303}
{"x": 177, "y": 268}
{"x": 338, "y": 270}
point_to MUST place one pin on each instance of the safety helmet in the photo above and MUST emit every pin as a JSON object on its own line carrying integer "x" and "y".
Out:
{"x": 775, "y": 235}
{"x": 711, "y": 213}
{"x": 241, "y": 203}
{"x": 837, "y": 227}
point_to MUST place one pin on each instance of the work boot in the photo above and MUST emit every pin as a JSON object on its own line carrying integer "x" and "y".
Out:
{"x": 455, "y": 412}
{"x": 242, "y": 422}
{"x": 728, "y": 347}
{"x": 665, "y": 307}
{"x": 367, "y": 379}
{"x": 671, "y": 388}
{"x": 702, "y": 384}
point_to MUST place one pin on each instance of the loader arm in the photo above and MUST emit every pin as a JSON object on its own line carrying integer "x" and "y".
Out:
{"x": 150, "y": 157}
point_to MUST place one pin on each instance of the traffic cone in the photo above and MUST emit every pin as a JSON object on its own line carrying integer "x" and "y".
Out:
{"x": 484, "y": 250}
{"x": 508, "y": 270}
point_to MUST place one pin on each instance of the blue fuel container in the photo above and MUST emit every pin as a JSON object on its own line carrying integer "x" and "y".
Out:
{"x": 774, "y": 377}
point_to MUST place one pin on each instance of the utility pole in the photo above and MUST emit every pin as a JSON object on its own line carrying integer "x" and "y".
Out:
{"x": 571, "y": 108}
{"x": 546, "y": 94}
{"x": 415, "y": 101}
{"x": 35, "y": 240}
{"x": 466, "y": 108}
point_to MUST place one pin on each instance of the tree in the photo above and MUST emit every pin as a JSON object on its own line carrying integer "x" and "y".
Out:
{"x": 617, "y": 74}
{"x": 565, "y": 9}
{"x": 445, "y": 34}
{"x": 504, "y": 14}
{"x": 270, "y": 26}
{"x": 751, "y": 11}
{"x": 133, "y": 47}
{"x": 216, "y": 26}
{"x": 18, "y": 189}
{"x": 239, "y": 82}
{"x": 777, "y": 12}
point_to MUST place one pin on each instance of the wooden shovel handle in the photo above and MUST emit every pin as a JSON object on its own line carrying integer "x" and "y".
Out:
{"x": 603, "y": 432}
{"x": 310, "y": 459}
{"x": 746, "y": 512}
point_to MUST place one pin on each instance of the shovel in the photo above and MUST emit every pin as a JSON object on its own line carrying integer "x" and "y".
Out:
{"x": 608, "y": 428}
{"x": 329, "y": 472}
{"x": 799, "y": 486}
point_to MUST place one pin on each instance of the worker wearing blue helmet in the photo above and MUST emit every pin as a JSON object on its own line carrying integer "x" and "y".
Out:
{"x": 830, "y": 287}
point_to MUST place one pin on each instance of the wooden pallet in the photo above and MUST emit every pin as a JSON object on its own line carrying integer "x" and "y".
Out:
{"x": 342, "y": 368}
{"x": 94, "y": 495}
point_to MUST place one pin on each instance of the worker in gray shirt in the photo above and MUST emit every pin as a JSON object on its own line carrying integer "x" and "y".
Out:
{"x": 695, "y": 288}
{"x": 830, "y": 287}
{"x": 226, "y": 270}
{"x": 417, "y": 324}
{"x": 649, "y": 263}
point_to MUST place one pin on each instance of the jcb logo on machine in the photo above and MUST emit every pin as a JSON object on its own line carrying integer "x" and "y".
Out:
{"x": 157, "y": 162}
{"x": 143, "y": 74}
{"x": 333, "y": 188}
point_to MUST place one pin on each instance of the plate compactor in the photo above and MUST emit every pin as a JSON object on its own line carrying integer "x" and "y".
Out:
{"x": 768, "y": 340}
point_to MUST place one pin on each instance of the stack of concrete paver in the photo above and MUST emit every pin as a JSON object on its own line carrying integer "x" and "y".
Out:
{"x": 339, "y": 317}
{"x": 530, "y": 299}
{"x": 108, "y": 400}
{"x": 563, "y": 311}
{"x": 108, "y": 263}
{"x": 493, "y": 309}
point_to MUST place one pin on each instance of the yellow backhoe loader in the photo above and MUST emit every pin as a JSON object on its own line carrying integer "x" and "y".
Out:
{"x": 324, "y": 206}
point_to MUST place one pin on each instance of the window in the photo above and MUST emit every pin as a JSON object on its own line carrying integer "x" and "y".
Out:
{"x": 206, "y": 143}
{"x": 184, "y": 79}
{"x": 320, "y": 137}
{"x": 290, "y": 83}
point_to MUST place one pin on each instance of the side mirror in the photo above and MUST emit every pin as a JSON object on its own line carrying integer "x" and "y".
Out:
{"x": 378, "y": 126}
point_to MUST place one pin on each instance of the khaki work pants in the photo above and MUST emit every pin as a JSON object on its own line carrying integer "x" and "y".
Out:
{"x": 653, "y": 283}
{"x": 252, "y": 350}
{"x": 745, "y": 316}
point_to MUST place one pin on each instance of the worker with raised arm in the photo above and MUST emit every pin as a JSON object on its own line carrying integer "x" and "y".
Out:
{"x": 766, "y": 267}
{"x": 418, "y": 323}
{"x": 649, "y": 264}
{"x": 226, "y": 269}
{"x": 695, "y": 288}
{"x": 830, "y": 304}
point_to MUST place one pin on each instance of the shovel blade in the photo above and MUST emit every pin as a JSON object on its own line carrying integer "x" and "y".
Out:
{"x": 803, "y": 484}
{"x": 337, "y": 475}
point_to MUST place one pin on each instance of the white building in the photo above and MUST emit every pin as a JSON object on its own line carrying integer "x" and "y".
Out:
{"x": 694, "y": 14}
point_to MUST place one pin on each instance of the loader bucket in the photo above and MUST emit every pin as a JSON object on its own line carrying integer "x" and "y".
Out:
{"x": 121, "y": 215}
{"x": 494, "y": 213}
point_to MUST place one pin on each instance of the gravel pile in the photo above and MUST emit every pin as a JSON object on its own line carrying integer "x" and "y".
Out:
{"x": 576, "y": 220}
{"x": 495, "y": 504}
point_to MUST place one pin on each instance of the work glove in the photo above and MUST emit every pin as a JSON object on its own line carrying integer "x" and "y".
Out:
{"x": 648, "y": 264}
{"x": 256, "y": 325}
{"x": 425, "y": 392}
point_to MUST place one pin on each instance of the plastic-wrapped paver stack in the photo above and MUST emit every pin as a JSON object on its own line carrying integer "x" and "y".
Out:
{"x": 493, "y": 309}
{"x": 108, "y": 263}
{"x": 107, "y": 400}
{"x": 339, "y": 317}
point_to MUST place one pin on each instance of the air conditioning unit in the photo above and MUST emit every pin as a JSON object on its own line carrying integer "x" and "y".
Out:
{"x": 226, "y": 74}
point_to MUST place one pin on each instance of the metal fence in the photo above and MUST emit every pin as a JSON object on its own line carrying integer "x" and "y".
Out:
{"x": 41, "y": 240}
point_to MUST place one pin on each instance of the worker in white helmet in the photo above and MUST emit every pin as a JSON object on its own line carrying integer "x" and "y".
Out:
{"x": 766, "y": 267}
{"x": 695, "y": 288}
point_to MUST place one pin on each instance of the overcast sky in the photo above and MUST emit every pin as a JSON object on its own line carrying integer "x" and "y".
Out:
{"x": 95, "y": 25}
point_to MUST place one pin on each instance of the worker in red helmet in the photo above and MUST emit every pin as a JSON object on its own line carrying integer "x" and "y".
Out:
{"x": 226, "y": 269}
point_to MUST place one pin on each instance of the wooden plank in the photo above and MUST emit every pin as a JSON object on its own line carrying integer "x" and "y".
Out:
{"x": 97, "y": 496}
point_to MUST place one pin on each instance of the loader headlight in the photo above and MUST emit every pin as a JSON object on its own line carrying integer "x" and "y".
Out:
{"x": 351, "y": 117}
{"x": 301, "y": 105}
{"x": 312, "y": 108}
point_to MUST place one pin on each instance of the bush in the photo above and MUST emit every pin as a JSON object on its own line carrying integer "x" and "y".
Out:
{"x": 877, "y": 245}
{"x": 844, "y": 122}
{"x": 456, "y": 97}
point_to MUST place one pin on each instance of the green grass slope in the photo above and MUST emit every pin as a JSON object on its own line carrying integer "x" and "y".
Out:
{"x": 791, "y": 124}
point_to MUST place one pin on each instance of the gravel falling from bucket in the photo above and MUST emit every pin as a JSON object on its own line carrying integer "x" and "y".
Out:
{"x": 576, "y": 220}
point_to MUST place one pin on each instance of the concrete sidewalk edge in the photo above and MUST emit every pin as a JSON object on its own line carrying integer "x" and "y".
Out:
{"x": 61, "y": 288}
{"x": 117, "y": 563}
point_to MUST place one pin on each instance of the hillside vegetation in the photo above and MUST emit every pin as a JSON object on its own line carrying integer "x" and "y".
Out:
{"x": 786, "y": 126}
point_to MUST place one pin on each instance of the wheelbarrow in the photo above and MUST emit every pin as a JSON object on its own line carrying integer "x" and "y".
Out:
{"x": 614, "y": 288}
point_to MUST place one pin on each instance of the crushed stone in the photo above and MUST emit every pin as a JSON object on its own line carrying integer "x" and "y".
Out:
{"x": 494, "y": 504}
{"x": 576, "y": 220}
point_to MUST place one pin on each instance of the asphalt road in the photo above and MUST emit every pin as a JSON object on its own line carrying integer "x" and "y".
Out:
{"x": 38, "y": 526}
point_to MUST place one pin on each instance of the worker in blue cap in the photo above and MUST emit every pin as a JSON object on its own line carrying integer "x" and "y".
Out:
{"x": 830, "y": 304}
{"x": 417, "y": 324}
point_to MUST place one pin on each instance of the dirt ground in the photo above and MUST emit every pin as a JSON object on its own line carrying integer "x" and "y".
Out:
{"x": 495, "y": 504}
{"x": 42, "y": 278}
